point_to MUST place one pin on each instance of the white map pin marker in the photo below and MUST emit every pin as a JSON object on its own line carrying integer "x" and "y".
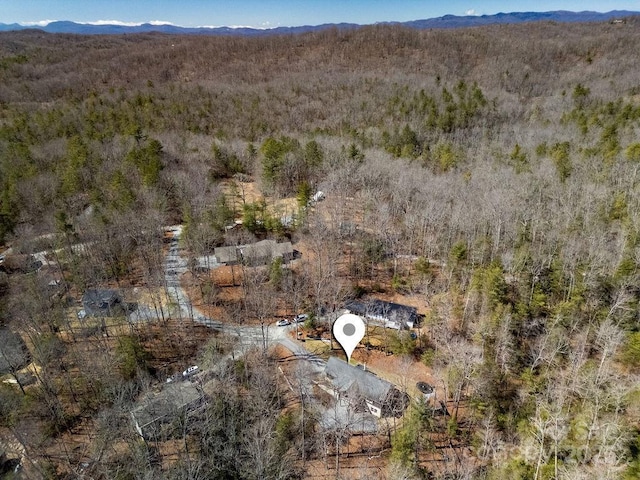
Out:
{"x": 348, "y": 330}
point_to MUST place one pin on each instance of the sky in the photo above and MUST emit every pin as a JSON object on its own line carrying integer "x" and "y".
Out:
{"x": 276, "y": 13}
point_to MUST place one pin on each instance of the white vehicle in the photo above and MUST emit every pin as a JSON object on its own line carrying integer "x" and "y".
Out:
{"x": 283, "y": 323}
{"x": 301, "y": 318}
{"x": 190, "y": 371}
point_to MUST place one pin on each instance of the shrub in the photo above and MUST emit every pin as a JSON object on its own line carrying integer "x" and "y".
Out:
{"x": 631, "y": 351}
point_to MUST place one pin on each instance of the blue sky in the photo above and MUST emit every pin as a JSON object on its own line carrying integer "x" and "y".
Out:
{"x": 274, "y": 13}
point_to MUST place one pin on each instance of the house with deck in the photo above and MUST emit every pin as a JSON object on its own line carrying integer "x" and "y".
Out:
{"x": 364, "y": 390}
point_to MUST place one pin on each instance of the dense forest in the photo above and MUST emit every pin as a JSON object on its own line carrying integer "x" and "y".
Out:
{"x": 489, "y": 173}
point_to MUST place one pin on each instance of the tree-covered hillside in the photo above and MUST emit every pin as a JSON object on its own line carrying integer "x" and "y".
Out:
{"x": 490, "y": 172}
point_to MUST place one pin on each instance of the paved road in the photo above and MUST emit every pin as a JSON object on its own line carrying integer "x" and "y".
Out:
{"x": 297, "y": 348}
{"x": 174, "y": 267}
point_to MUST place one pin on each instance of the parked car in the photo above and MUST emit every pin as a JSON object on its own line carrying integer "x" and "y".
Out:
{"x": 283, "y": 323}
{"x": 301, "y": 318}
{"x": 190, "y": 371}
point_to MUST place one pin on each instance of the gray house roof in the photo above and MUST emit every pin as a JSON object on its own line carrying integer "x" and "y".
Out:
{"x": 158, "y": 408}
{"x": 226, "y": 254}
{"x": 14, "y": 353}
{"x": 348, "y": 379}
{"x": 267, "y": 248}
{"x": 101, "y": 302}
{"x": 255, "y": 253}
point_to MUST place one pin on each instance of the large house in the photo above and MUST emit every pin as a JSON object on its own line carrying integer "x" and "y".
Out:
{"x": 389, "y": 314}
{"x": 155, "y": 413}
{"x": 260, "y": 253}
{"x": 365, "y": 390}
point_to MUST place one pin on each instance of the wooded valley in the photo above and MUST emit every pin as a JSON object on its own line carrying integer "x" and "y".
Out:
{"x": 488, "y": 176}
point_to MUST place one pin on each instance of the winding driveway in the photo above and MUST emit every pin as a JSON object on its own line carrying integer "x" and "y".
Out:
{"x": 248, "y": 336}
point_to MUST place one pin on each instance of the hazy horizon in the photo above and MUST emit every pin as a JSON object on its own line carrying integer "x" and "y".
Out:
{"x": 281, "y": 13}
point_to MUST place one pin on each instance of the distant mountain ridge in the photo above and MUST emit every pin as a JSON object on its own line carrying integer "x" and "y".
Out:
{"x": 447, "y": 21}
{"x": 562, "y": 16}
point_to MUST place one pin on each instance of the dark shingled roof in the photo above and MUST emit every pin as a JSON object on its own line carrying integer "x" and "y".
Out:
{"x": 381, "y": 309}
{"x": 100, "y": 302}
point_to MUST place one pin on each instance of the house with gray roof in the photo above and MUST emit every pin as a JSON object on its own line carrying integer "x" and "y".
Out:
{"x": 254, "y": 254}
{"x": 389, "y": 314}
{"x": 103, "y": 303}
{"x": 227, "y": 255}
{"x": 365, "y": 390}
{"x": 158, "y": 410}
{"x": 14, "y": 354}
